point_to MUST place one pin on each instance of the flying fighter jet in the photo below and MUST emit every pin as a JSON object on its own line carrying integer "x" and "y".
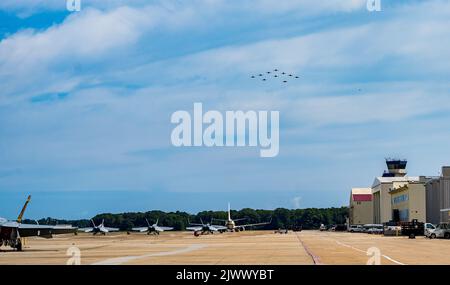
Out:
{"x": 98, "y": 229}
{"x": 155, "y": 229}
{"x": 231, "y": 224}
{"x": 201, "y": 229}
{"x": 12, "y": 232}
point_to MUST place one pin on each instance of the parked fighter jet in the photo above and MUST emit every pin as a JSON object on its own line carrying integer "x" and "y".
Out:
{"x": 201, "y": 229}
{"x": 12, "y": 232}
{"x": 231, "y": 224}
{"x": 155, "y": 229}
{"x": 98, "y": 229}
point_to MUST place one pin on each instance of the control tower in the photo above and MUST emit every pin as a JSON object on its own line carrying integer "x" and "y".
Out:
{"x": 396, "y": 167}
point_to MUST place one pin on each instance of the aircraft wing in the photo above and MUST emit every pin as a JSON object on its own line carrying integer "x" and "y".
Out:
{"x": 252, "y": 225}
{"x": 59, "y": 230}
{"x": 140, "y": 229}
{"x": 26, "y": 230}
{"x": 111, "y": 229}
{"x": 86, "y": 230}
{"x": 218, "y": 228}
{"x": 45, "y": 231}
{"x": 161, "y": 229}
{"x": 194, "y": 228}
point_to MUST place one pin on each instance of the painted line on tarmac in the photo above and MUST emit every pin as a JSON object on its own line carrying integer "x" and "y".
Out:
{"x": 121, "y": 260}
{"x": 393, "y": 260}
{"x": 357, "y": 249}
{"x": 314, "y": 257}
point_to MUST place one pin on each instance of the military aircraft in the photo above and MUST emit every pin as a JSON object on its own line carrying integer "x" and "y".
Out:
{"x": 209, "y": 228}
{"x": 155, "y": 229}
{"x": 12, "y": 232}
{"x": 230, "y": 224}
{"x": 278, "y": 75}
{"x": 98, "y": 229}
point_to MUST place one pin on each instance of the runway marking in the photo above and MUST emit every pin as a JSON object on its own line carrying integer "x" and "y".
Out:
{"x": 120, "y": 260}
{"x": 393, "y": 260}
{"x": 314, "y": 257}
{"x": 357, "y": 249}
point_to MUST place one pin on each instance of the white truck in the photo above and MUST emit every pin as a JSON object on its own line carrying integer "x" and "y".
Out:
{"x": 428, "y": 229}
{"x": 441, "y": 231}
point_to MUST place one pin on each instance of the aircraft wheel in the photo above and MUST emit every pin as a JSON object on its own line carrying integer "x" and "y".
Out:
{"x": 19, "y": 245}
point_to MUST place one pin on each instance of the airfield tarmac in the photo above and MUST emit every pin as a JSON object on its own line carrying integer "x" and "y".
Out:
{"x": 249, "y": 247}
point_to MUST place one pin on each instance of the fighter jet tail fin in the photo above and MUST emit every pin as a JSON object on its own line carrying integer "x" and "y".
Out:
{"x": 19, "y": 218}
{"x": 157, "y": 221}
{"x": 148, "y": 224}
{"x": 229, "y": 212}
{"x": 92, "y": 221}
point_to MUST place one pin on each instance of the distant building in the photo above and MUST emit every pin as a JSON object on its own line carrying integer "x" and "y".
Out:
{"x": 408, "y": 200}
{"x": 397, "y": 197}
{"x": 384, "y": 190}
{"x": 361, "y": 206}
{"x": 438, "y": 197}
{"x": 400, "y": 198}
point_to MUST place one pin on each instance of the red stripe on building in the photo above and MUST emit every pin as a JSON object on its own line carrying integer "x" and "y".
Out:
{"x": 362, "y": 197}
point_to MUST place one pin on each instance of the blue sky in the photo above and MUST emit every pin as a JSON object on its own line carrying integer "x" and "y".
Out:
{"x": 86, "y": 99}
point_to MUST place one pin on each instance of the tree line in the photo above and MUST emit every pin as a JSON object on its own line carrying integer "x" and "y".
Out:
{"x": 309, "y": 218}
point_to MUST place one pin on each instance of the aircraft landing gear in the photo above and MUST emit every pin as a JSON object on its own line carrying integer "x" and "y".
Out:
{"x": 19, "y": 245}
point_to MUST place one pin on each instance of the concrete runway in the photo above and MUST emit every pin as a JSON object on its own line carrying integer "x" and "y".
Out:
{"x": 249, "y": 247}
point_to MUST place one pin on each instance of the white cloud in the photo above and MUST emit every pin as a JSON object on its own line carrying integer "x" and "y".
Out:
{"x": 85, "y": 138}
{"x": 360, "y": 109}
{"x": 28, "y": 7}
